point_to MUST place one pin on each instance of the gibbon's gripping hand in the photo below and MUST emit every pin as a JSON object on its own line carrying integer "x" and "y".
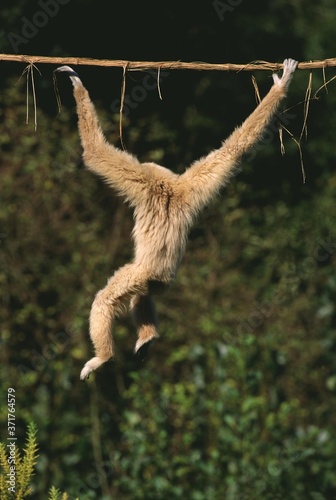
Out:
{"x": 289, "y": 66}
{"x": 76, "y": 81}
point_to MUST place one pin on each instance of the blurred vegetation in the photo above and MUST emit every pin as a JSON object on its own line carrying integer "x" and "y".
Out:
{"x": 236, "y": 400}
{"x": 17, "y": 467}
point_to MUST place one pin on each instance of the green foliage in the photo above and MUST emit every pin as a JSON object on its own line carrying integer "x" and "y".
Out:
{"x": 219, "y": 434}
{"x": 237, "y": 398}
{"x": 24, "y": 469}
{"x": 55, "y": 494}
{"x": 18, "y": 466}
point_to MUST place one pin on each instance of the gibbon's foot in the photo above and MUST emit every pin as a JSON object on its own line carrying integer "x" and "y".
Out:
{"x": 142, "y": 352}
{"x": 71, "y": 73}
{"x": 90, "y": 366}
{"x": 142, "y": 347}
{"x": 289, "y": 66}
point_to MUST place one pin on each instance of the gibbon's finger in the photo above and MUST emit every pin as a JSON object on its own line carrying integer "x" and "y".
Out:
{"x": 71, "y": 73}
{"x": 289, "y": 66}
{"x": 68, "y": 70}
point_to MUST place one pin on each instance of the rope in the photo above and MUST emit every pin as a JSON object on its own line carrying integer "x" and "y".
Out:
{"x": 145, "y": 65}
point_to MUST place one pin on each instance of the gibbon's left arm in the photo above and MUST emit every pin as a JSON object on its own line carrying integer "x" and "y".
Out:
{"x": 119, "y": 169}
{"x": 205, "y": 177}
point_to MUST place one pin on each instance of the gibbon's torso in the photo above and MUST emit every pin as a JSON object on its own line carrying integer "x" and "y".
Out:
{"x": 162, "y": 221}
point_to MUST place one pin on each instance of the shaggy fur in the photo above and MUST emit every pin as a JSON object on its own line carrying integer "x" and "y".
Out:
{"x": 165, "y": 205}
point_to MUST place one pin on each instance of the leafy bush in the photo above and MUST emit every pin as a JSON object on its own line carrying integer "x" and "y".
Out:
{"x": 18, "y": 469}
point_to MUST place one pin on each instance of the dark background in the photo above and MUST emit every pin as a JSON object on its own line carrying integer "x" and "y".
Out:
{"x": 237, "y": 397}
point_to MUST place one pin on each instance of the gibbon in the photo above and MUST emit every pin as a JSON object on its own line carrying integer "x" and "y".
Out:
{"x": 165, "y": 205}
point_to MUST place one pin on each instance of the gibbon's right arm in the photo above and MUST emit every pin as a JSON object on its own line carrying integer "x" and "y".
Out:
{"x": 119, "y": 169}
{"x": 205, "y": 177}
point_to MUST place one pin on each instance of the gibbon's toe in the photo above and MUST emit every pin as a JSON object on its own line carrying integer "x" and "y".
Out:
{"x": 85, "y": 373}
{"x": 142, "y": 352}
{"x": 142, "y": 347}
{"x": 90, "y": 366}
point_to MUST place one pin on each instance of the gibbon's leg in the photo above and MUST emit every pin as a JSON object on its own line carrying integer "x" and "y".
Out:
{"x": 205, "y": 177}
{"x": 144, "y": 316}
{"x": 108, "y": 303}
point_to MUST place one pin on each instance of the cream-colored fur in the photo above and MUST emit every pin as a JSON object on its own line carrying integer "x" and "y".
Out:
{"x": 165, "y": 205}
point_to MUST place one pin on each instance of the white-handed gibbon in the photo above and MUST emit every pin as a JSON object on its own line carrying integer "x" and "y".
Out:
{"x": 165, "y": 205}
